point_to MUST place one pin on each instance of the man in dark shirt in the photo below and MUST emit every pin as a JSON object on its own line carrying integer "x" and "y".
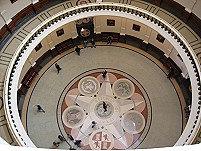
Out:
{"x": 93, "y": 43}
{"x": 109, "y": 40}
{"x": 104, "y": 106}
{"x": 77, "y": 49}
{"x": 39, "y": 108}
{"x": 104, "y": 73}
{"x": 58, "y": 68}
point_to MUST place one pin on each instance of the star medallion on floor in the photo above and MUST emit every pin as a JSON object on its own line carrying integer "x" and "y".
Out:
{"x": 102, "y": 112}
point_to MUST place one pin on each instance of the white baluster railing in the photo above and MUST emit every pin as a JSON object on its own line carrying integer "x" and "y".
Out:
{"x": 90, "y": 10}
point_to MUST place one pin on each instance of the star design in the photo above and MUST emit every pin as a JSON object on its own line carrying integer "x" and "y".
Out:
{"x": 109, "y": 120}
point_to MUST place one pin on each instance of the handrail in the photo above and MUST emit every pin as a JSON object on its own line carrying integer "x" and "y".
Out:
{"x": 94, "y": 9}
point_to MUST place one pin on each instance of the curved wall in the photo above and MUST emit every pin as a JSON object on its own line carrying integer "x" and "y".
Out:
{"x": 189, "y": 5}
{"x": 30, "y": 45}
{"x": 188, "y": 12}
{"x": 122, "y": 25}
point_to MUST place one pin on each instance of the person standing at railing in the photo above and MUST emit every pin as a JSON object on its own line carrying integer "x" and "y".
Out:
{"x": 109, "y": 40}
{"x": 93, "y": 43}
{"x": 85, "y": 42}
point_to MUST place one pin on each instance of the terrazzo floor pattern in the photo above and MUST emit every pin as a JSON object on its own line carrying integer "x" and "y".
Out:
{"x": 166, "y": 117}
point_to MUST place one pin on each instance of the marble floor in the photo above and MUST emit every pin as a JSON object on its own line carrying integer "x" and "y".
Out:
{"x": 133, "y": 106}
{"x": 68, "y": 73}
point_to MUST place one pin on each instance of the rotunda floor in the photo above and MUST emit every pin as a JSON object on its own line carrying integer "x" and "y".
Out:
{"x": 134, "y": 106}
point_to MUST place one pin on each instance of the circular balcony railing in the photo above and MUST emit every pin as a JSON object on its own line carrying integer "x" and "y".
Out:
{"x": 88, "y": 10}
